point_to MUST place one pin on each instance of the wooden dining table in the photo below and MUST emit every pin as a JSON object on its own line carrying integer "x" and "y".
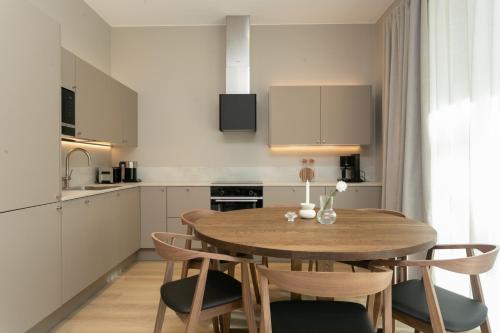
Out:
{"x": 356, "y": 235}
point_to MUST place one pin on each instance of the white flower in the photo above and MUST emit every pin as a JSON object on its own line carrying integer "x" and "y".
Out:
{"x": 341, "y": 186}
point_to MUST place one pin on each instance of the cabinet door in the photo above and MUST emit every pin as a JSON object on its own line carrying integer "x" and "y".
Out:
{"x": 358, "y": 197}
{"x": 153, "y": 213}
{"x": 346, "y": 115}
{"x": 30, "y": 283}
{"x": 129, "y": 117}
{"x": 126, "y": 234}
{"x": 294, "y": 115}
{"x": 291, "y": 195}
{"x": 68, "y": 61}
{"x": 117, "y": 106}
{"x": 182, "y": 199}
{"x": 30, "y": 107}
{"x": 85, "y": 242}
{"x": 92, "y": 100}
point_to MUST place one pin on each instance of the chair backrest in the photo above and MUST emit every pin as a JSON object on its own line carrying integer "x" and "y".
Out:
{"x": 329, "y": 284}
{"x": 472, "y": 264}
{"x": 383, "y": 211}
{"x": 164, "y": 246}
{"x": 192, "y": 216}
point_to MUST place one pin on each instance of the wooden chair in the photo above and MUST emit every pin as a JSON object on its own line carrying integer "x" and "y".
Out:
{"x": 428, "y": 308}
{"x": 210, "y": 294}
{"x": 189, "y": 219}
{"x": 323, "y": 316}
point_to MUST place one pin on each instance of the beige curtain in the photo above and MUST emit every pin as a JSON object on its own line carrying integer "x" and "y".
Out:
{"x": 402, "y": 138}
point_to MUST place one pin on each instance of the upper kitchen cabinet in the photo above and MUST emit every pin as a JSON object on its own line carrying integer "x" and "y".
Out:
{"x": 124, "y": 108}
{"x": 68, "y": 68}
{"x": 93, "y": 120}
{"x": 314, "y": 115}
{"x": 345, "y": 115}
{"x": 105, "y": 109}
{"x": 30, "y": 102}
{"x": 294, "y": 115}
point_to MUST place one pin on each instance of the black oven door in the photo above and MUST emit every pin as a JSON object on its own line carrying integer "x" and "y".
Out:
{"x": 225, "y": 205}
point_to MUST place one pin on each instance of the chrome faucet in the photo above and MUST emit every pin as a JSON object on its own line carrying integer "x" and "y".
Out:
{"x": 67, "y": 177}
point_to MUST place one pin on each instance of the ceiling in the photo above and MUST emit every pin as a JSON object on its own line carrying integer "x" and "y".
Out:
{"x": 120, "y": 13}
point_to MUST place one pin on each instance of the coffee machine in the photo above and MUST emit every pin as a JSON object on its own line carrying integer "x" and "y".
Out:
{"x": 129, "y": 171}
{"x": 350, "y": 167}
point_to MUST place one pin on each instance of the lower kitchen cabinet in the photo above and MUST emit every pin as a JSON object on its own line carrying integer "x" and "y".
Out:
{"x": 153, "y": 213}
{"x": 291, "y": 195}
{"x": 175, "y": 225}
{"x": 98, "y": 232}
{"x": 181, "y": 199}
{"x": 126, "y": 234}
{"x": 358, "y": 197}
{"x": 30, "y": 283}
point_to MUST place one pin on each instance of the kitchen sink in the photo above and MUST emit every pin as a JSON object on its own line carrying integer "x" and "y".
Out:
{"x": 92, "y": 188}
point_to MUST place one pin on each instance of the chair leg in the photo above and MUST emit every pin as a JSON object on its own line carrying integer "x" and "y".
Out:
{"x": 255, "y": 283}
{"x": 215, "y": 324}
{"x": 247, "y": 299}
{"x": 265, "y": 261}
{"x": 485, "y": 327}
{"x": 185, "y": 268}
{"x": 160, "y": 316}
{"x": 226, "y": 324}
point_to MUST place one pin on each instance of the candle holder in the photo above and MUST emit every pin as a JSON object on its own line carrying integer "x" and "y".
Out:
{"x": 307, "y": 210}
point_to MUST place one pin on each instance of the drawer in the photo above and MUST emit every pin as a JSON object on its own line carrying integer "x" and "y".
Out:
{"x": 358, "y": 197}
{"x": 292, "y": 195}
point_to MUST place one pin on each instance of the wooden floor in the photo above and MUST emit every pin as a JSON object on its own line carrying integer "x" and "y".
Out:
{"x": 129, "y": 305}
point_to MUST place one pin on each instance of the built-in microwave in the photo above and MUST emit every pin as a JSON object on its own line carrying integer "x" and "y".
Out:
{"x": 68, "y": 112}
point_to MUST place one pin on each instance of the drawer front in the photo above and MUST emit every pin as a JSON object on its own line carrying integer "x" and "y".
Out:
{"x": 358, "y": 197}
{"x": 291, "y": 195}
{"x": 181, "y": 199}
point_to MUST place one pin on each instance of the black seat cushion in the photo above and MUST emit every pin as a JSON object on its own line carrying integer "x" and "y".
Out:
{"x": 459, "y": 313}
{"x": 319, "y": 317}
{"x": 220, "y": 289}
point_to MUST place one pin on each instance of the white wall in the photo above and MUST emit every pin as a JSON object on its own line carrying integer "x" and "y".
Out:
{"x": 179, "y": 73}
{"x": 83, "y": 32}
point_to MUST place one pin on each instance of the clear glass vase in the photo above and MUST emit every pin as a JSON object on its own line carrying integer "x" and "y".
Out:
{"x": 326, "y": 214}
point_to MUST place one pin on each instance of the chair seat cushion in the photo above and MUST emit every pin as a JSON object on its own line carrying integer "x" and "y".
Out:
{"x": 220, "y": 289}
{"x": 319, "y": 317}
{"x": 459, "y": 313}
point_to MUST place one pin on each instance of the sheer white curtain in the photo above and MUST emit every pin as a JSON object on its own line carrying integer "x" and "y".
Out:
{"x": 461, "y": 117}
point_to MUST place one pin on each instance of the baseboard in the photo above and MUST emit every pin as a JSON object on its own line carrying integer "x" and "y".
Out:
{"x": 76, "y": 302}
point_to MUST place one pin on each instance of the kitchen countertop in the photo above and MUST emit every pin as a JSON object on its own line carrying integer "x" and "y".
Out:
{"x": 76, "y": 194}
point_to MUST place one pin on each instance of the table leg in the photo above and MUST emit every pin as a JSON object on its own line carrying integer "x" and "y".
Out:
{"x": 296, "y": 265}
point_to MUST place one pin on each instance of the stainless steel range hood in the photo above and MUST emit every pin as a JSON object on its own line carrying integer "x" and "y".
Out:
{"x": 238, "y": 54}
{"x": 237, "y": 107}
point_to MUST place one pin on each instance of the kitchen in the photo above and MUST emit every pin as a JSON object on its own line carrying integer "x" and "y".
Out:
{"x": 135, "y": 118}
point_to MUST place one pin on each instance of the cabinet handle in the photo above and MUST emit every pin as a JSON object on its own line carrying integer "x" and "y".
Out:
{"x": 118, "y": 194}
{"x": 78, "y": 133}
{"x": 187, "y": 190}
{"x": 293, "y": 190}
{"x": 87, "y": 201}
{"x": 324, "y": 141}
{"x": 162, "y": 190}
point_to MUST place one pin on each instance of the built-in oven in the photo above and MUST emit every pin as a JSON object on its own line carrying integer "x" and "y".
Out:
{"x": 67, "y": 112}
{"x": 228, "y": 197}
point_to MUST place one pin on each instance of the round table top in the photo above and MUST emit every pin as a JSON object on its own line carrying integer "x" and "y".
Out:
{"x": 356, "y": 235}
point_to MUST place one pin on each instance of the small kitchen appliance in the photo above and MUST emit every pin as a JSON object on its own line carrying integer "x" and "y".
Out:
{"x": 104, "y": 175}
{"x": 350, "y": 167}
{"x": 129, "y": 171}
